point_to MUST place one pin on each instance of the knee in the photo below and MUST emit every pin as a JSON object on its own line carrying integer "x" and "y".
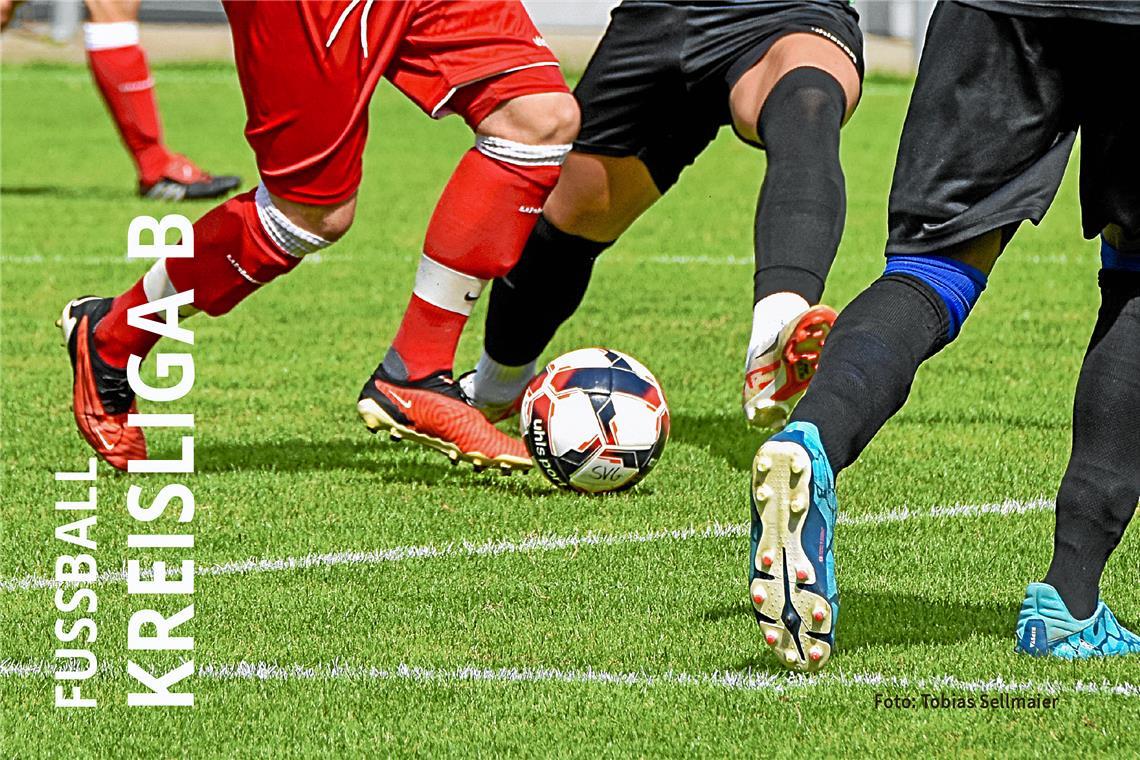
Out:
{"x": 806, "y": 105}
{"x": 955, "y": 283}
{"x": 550, "y": 118}
{"x": 327, "y": 222}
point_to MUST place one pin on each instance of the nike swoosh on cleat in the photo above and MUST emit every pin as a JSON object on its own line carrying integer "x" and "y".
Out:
{"x": 400, "y": 401}
{"x": 109, "y": 446}
{"x": 470, "y": 297}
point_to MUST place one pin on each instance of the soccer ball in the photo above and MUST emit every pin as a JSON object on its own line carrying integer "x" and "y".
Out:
{"x": 595, "y": 420}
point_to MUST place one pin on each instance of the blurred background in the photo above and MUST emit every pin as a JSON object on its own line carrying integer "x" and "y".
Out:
{"x": 49, "y": 30}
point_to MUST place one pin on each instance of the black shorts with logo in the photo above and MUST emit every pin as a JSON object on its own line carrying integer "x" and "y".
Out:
{"x": 657, "y": 87}
{"x": 995, "y": 111}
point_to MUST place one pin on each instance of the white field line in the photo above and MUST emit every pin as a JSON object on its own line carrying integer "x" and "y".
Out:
{"x": 36, "y": 259}
{"x": 736, "y": 681}
{"x": 496, "y": 548}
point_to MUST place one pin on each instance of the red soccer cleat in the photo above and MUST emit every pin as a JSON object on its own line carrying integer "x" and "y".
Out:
{"x": 101, "y": 396}
{"x": 434, "y": 412}
{"x": 183, "y": 180}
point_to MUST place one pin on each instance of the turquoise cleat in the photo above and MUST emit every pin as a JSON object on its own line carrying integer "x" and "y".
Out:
{"x": 792, "y": 564}
{"x": 1045, "y": 628}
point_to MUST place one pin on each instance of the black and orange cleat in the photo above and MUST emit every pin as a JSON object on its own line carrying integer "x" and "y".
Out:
{"x": 101, "y": 396}
{"x": 182, "y": 180}
{"x": 435, "y": 413}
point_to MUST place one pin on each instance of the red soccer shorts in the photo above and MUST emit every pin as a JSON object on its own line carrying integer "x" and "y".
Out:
{"x": 308, "y": 71}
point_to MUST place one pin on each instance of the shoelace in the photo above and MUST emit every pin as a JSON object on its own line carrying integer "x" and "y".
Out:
{"x": 363, "y": 24}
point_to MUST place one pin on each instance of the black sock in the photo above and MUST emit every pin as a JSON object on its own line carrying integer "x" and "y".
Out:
{"x": 546, "y": 286}
{"x": 799, "y": 218}
{"x": 867, "y": 368}
{"x": 1101, "y": 485}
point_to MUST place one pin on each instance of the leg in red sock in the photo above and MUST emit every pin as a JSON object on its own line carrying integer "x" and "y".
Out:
{"x": 480, "y": 226}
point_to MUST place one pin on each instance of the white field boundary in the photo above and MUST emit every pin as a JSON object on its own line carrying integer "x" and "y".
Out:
{"x": 776, "y": 683}
{"x": 495, "y": 548}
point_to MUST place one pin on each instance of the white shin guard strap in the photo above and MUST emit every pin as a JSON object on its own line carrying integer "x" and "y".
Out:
{"x": 521, "y": 154}
{"x": 290, "y": 238}
{"x": 446, "y": 288}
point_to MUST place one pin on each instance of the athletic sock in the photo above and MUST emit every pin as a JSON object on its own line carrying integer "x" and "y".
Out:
{"x": 872, "y": 355}
{"x": 120, "y": 70}
{"x": 799, "y": 219}
{"x": 770, "y": 315}
{"x": 478, "y": 230}
{"x": 239, "y": 246}
{"x": 544, "y": 288}
{"x": 497, "y": 383}
{"x": 1101, "y": 486}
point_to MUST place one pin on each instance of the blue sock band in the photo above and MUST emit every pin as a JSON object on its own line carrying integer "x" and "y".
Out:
{"x": 956, "y": 283}
{"x": 1110, "y": 258}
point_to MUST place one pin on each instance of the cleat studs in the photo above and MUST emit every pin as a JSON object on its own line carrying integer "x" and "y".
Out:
{"x": 801, "y": 575}
{"x": 797, "y": 465}
{"x": 763, "y": 493}
{"x": 799, "y": 504}
{"x": 767, "y": 558}
{"x": 771, "y": 638}
{"x": 758, "y": 597}
{"x": 791, "y": 656}
{"x": 394, "y": 436}
{"x": 816, "y": 654}
{"x": 763, "y": 464}
{"x": 819, "y": 613}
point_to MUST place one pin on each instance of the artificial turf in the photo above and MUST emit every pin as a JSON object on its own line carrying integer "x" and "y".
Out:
{"x": 588, "y": 649}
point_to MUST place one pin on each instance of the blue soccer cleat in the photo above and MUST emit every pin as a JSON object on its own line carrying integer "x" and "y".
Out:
{"x": 1045, "y": 627}
{"x": 792, "y": 564}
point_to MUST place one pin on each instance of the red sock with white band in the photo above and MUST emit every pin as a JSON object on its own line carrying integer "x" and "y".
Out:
{"x": 477, "y": 233}
{"x": 120, "y": 70}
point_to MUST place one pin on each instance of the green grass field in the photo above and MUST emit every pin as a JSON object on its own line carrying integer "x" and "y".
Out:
{"x": 531, "y": 621}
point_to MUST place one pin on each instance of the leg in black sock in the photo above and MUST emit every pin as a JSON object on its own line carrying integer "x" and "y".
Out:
{"x": 799, "y": 219}
{"x": 1101, "y": 486}
{"x": 546, "y": 286}
{"x": 871, "y": 358}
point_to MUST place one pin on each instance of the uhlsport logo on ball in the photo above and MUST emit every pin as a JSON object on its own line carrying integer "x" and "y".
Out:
{"x": 595, "y": 420}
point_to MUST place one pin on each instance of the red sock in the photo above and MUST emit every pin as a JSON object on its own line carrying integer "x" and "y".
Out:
{"x": 479, "y": 228}
{"x": 124, "y": 79}
{"x": 233, "y": 256}
{"x": 115, "y": 340}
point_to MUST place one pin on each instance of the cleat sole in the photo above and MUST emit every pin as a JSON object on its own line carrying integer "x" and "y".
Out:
{"x": 376, "y": 420}
{"x": 783, "y": 565}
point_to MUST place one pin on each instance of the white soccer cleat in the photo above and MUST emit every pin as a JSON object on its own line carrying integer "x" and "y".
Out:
{"x": 775, "y": 378}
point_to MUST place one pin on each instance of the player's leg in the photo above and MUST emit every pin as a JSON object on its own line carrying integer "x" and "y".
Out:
{"x": 506, "y": 85}
{"x": 306, "y": 201}
{"x": 631, "y": 149}
{"x": 794, "y": 102}
{"x": 1063, "y": 615}
{"x": 961, "y": 185}
{"x": 119, "y": 67}
{"x": 482, "y": 221}
{"x": 595, "y": 201}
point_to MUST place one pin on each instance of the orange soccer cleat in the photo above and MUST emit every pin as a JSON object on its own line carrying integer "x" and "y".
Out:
{"x": 435, "y": 412}
{"x": 101, "y": 395}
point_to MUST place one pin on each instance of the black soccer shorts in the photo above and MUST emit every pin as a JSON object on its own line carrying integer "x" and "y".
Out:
{"x": 993, "y": 118}
{"x": 658, "y": 85}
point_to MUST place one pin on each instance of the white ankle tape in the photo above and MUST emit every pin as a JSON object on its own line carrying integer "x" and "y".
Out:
{"x": 444, "y": 287}
{"x": 290, "y": 238}
{"x": 108, "y": 36}
{"x": 521, "y": 154}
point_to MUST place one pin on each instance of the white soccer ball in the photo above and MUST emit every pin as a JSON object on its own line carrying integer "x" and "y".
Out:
{"x": 595, "y": 420}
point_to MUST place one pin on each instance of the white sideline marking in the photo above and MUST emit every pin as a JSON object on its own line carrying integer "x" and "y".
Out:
{"x": 737, "y": 681}
{"x": 495, "y": 548}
